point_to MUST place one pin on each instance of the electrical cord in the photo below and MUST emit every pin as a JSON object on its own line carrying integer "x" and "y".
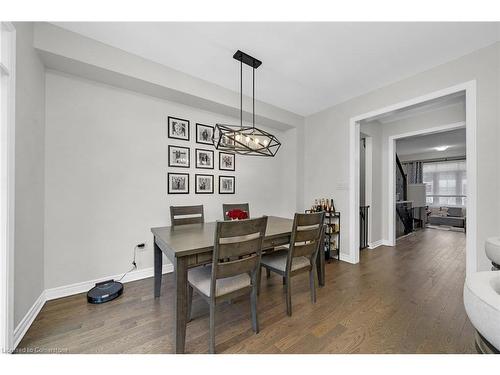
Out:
{"x": 134, "y": 264}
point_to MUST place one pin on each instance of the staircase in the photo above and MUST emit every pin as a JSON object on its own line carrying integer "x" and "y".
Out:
{"x": 404, "y": 214}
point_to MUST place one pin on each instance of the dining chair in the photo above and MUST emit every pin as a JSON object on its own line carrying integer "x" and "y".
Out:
{"x": 235, "y": 268}
{"x": 226, "y": 207}
{"x": 182, "y": 215}
{"x": 306, "y": 239}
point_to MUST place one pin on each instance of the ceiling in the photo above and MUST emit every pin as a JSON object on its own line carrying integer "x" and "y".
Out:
{"x": 307, "y": 67}
{"x": 455, "y": 139}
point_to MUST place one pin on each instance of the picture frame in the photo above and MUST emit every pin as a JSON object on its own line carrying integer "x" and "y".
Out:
{"x": 204, "y": 184}
{"x": 178, "y": 128}
{"x": 204, "y": 134}
{"x": 179, "y": 156}
{"x": 178, "y": 183}
{"x": 227, "y": 161}
{"x": 204, "y": 158}
{"x": 227, "y": 184}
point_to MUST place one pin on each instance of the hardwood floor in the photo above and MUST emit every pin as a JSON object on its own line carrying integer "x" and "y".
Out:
{"x": 406, "y": 299}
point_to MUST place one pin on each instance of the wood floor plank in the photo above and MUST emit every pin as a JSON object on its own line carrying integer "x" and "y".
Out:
{"x": 402, "y": 299}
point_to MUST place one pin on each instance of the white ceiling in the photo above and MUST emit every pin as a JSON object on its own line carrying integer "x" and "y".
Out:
{"x": 307, "y": 67}
{"x": 455, "y": 139}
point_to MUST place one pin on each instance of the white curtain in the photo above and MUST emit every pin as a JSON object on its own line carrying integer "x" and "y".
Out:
{"x": 446, "y": 183}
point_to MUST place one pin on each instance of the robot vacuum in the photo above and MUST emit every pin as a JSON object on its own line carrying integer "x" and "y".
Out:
{"x": 105, "y": 291}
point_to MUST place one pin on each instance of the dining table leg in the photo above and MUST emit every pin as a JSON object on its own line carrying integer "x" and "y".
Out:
{"x": 158, "y": 260}
{"x": 180, "y": 272}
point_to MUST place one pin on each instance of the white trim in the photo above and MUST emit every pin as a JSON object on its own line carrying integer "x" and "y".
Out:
{"x": 471, "y": 126}
{"x": 7, "y": 198}
{"x": 354, "y": 135}
{"x": 369, "y": 183}
{"x": 374, "y": 245}
{"x": 391, "y": 161}
{"x": 28, "y": 319}
{"x": 386, "y": 243}
{"x": 72, "y": 289}
{"x": 347, "y": 258}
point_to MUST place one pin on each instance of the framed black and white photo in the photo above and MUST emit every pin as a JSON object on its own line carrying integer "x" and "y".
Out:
{"x": 204, "y": 158}
{"x": 204, "y": 184}
{"x": 178, "y": 156}
{"x": 178, "y": 128}
{"x": 178, "y": 183}
{"x": 226, "y": 184}
{"x": 226, "y": 161}
{"x": 204, "y": 134}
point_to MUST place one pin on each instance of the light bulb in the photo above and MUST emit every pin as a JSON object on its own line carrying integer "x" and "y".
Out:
{"x": 247, "y": 138}
{"x": 256, "y": 140}
{"x": 238, "y": 137}
{"x": 265, "y": 142}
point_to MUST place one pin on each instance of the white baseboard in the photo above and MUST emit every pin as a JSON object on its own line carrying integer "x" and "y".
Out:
{"x": 28, "y": 319}
{"x": 72, "y": 289}
{"x": 387, "y": 243}
{"x": 375, "y": 244}
{"x": 77, "y": 288}
{"x": 347, "y": 258}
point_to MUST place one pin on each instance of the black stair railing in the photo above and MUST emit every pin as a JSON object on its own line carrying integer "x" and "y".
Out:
{"x": 404, "y": 214}
{"x": 363, "y": 227}
{"x": 406, "y": 217}
{"x": 401, "y": 180}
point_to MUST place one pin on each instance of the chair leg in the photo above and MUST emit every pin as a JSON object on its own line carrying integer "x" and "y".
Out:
{"x": 253, "y": 303}
{"x": 258, "y": 274}
{"x": 268, "y": 273}
{"x": 312, "y": 284}
{"x": 190, "y": 302}
{"x": 211, "y": 335}
{"x": 288, "y": 297}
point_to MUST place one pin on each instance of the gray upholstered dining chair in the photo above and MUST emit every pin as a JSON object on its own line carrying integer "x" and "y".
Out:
{"x": 307, "y": 237}
{"x": 235, "y": 268}
{"x": 232, "y": 206}
{"x": 182, "y": 215}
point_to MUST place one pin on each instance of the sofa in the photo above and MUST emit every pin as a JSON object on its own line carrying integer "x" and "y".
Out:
{"x": 451, "y": 216}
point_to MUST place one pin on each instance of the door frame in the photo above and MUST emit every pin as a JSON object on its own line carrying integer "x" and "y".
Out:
{"x": 469, "y": 88}
{"x": 7, "y": 188}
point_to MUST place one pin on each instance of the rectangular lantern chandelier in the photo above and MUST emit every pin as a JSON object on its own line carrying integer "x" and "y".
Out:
{"x": 245, "y": 140}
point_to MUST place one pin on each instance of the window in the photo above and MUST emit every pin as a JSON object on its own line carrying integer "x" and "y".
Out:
{"x": 446, "y": 183}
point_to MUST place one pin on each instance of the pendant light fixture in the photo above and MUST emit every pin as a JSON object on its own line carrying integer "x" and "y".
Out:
{"x": 245, "y": 140}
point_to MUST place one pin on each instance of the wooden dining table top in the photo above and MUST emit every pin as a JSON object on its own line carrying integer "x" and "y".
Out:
{"x": 184, "y": 240}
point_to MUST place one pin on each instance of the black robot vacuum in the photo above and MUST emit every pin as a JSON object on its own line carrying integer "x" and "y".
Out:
{"x": 105, "y": 291}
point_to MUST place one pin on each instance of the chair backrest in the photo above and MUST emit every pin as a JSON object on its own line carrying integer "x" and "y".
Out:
{"x": 307, "y": 237}
{"x": 237, "y": 247}
{"x": 182, "y": 215}
{"x": 231, "y": 206}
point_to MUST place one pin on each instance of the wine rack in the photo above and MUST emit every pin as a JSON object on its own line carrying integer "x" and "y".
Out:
{"x": 331, "y": 246}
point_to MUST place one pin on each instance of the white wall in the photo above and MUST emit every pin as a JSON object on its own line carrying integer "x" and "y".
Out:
{"x": 106, "y": 170}
{"x": 327, "y": 137}
{"x": 29, "y": 180}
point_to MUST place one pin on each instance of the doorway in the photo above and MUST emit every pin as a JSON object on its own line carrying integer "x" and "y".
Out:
{"x": 468, "y": 89}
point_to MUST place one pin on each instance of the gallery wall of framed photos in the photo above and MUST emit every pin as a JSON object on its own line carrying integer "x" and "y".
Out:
{"x": 210, "y": 166}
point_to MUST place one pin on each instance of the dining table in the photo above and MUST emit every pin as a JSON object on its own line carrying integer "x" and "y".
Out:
{"x": 191, "y": 245}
